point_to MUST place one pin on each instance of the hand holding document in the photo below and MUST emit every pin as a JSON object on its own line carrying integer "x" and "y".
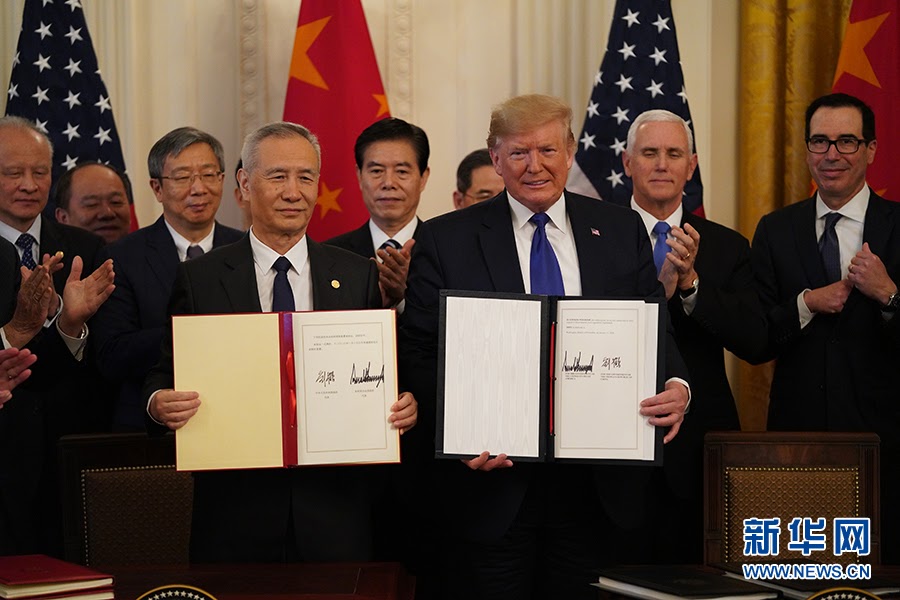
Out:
{"x": 537, "y": 378}
{"x": 285, "y": 389}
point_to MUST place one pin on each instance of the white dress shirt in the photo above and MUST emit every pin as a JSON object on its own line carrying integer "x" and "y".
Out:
{"x": 182, "y": 243}
{"x": 559, "y": 233}
{"x": 298, "y": 275}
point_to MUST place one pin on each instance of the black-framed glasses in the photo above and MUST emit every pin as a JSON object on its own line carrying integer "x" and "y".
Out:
{"x": 207, "y": 178}
{"x": 844, "y": 145}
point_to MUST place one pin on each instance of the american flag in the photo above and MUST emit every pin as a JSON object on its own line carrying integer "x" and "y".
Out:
{"x": 641, "y": 70}
{"x": 56, "y": 83}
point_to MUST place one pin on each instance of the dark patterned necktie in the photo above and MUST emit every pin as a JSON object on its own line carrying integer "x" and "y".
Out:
{"x": 546, "y": 278}
{"x": 830, "y": 249}
{"x": 391, "y": 243}
{"x": 282, "y": 295}
{"x": 26, "y": 243}
{"x": 194, "y": 251}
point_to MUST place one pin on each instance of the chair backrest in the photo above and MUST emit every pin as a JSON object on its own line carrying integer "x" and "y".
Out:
{"x": 123, "y": 501}
{"x": 787, "y": 475}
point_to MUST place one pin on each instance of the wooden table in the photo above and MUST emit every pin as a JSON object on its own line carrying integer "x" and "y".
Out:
{"x": 306, "y": 581}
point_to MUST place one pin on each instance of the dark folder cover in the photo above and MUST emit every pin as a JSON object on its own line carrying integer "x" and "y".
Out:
{"x": 681, "y": 581}
{"x": 549, "y": 307}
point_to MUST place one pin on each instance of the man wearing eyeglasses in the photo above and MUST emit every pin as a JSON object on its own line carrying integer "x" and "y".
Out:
{"x": 186, "y": 175}
{"x": 827, "y": 270}
{"x": 476, "y": 179}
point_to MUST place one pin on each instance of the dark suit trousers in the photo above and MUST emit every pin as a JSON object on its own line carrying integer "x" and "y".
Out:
{"x": 551, "y": 550}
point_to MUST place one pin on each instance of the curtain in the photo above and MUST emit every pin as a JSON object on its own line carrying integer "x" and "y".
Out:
{"x": 789, "y": 49}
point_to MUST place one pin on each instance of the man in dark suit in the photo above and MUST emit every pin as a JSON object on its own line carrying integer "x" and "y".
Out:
{"x": 321, "y": 513}
{"x": 392, "y": 167}
{"x": 712, "y": 304}
{"x": 529, "y": 530}
{"x": 827, "y": 270}
{"x": 14, "y": 364}
{"x": 187, "y": 170}
{"x": 52, "y": 402}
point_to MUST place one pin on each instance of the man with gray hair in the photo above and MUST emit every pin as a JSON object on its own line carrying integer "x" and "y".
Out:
{"x": 52, "y": 322}
{"x": 712, "y": 305}
{"x": 186, "y": 174}
{"x": 275, "y": 515}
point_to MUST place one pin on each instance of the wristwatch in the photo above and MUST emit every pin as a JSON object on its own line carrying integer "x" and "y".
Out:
{"x": 893, "y": 303}
{"x": 695, "y": 284}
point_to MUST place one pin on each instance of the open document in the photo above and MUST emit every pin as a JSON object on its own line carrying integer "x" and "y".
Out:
{"x": 541, "y": 378}
{"x": 284, "y": 389}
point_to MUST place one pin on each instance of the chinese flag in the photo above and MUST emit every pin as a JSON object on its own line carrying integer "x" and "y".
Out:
{"x": 869, "y": 68}
{"x": 335, "y": 90}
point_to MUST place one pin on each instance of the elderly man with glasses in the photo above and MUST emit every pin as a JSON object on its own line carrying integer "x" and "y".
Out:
{"x": 827, "y": 270}
{"x": 186, "y": 175}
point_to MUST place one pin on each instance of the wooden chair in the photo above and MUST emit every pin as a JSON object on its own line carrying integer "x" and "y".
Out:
{"x": 123, "y": 501}
{"x": 788, "y": 475}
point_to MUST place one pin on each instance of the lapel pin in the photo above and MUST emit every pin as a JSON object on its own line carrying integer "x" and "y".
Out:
{"x": 595, "y": 231}
{"x": 335, "y": 283}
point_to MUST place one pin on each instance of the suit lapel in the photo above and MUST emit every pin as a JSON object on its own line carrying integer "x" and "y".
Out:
{"x": 161, "y": 255}
{"x": 591, "y": 242}
{"x": 498, "y": 245}
{"x": 322, "y": 273}
{"x": 804, "y": 230}
{"x": 877, "y": 231}
{"x": 878, "y": 226}
{"x": 51, "y": 242}
{"x": 239, "y": 279}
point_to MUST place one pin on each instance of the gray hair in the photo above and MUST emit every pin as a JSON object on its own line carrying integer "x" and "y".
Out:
{"x": 278, "y": 129}
{"x": 14, "y": 122}
{"x": 659, "y": 116}
{"x": 175, "y": 142}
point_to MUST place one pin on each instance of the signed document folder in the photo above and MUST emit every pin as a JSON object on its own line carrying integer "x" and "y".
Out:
{"x": 548, "y": 379}
{"x": 286, "y": 389}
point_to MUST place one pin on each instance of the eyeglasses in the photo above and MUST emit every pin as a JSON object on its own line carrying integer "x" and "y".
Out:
{"x": 480, "y": 196}
{"x": 207, "y": 178}
{"x": 844, "y": 145}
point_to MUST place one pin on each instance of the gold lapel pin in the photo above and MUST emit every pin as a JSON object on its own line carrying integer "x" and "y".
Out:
{"x": 335, "y": 283}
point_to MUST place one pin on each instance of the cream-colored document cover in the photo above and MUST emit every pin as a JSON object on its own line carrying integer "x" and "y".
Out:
{"x": 285, "y": 389}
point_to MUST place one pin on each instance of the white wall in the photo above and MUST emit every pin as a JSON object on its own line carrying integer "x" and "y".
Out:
{"x": 221, "y": 65}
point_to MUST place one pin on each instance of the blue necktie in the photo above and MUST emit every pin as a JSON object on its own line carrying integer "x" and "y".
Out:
{"x": 282, "y": 295}
{"x": 830, "y": 249}
{"x": 661, "y": 229}
{"x": 26, "y": 243}
{"x": 546, "y": 277}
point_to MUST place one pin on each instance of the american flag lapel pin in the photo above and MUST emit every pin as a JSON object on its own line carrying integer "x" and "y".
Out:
{"x": 595, "y": 232}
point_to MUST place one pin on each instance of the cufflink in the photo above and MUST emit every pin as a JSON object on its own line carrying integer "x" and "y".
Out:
{"x": 335, "y": 283}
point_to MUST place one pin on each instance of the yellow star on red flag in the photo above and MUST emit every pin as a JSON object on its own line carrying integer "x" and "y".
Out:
{"x": 302, "y": 67}
{"x": 381, "y": 99}
{"x": 853, "y": 59}
{"x": 328, "y": 200}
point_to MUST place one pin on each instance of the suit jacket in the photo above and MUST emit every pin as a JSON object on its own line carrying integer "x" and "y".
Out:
{"x": 244, "y": 515}
{"x": 54, "y": 401}
{"x": 9, "y": 280}
{"x": 128, "y": 328}
{"x": 727, "y": 315}
{"x": 839, "y": 373}
{"x": 474, "y": 249}
{"x": 359, "y": 241}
